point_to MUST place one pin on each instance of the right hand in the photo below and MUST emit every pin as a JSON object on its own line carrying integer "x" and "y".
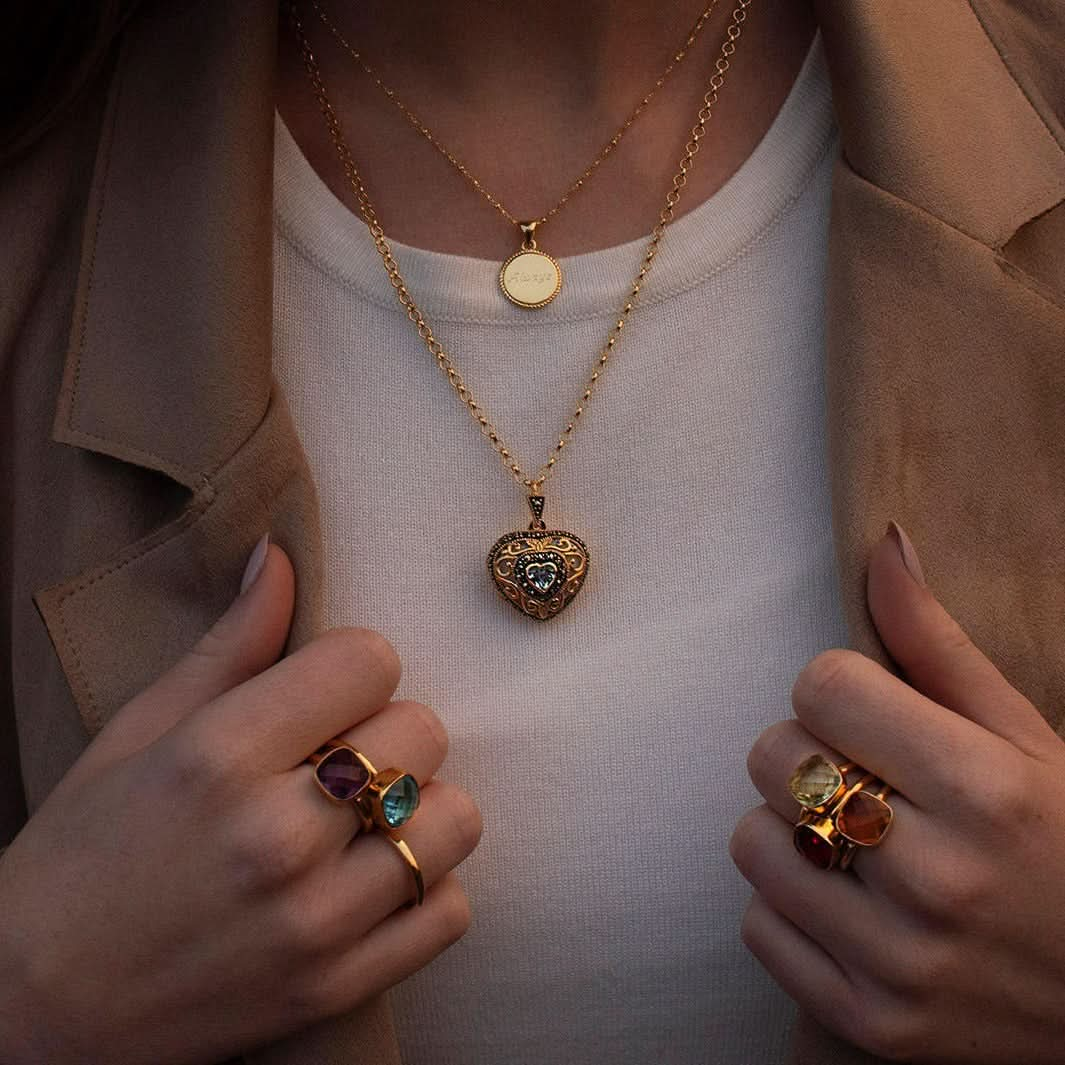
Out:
{"x": 186, "y": 893}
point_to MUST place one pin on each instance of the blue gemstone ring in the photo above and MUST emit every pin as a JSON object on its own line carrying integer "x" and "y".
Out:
{"x": 386, "y": 798}
{"x": 391, "y": 798}
{"x": 389, "y": 803}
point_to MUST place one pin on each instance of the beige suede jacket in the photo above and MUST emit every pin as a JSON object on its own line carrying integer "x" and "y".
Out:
{"x": 145, "y": 446}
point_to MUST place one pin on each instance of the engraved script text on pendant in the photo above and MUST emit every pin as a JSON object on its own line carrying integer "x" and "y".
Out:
{"x": 540, "y": 571}
{"x": 530, "y": 279}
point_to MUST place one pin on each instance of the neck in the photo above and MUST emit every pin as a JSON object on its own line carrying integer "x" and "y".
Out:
{"x": 552, "y": 50}
{"x": 526, "y": 99}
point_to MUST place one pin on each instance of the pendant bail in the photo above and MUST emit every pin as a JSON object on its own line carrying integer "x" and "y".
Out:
{"x": 536, "y": 505}
{"x": 528, "y": 231}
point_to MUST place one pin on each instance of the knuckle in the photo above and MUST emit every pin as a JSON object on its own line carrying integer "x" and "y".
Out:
{"x": 826, "y": 675}
{"x": 1005, "y": 798}
{"x": 372, "y": 650}
{"x": 310, "y": 996}
{"x": 741, "y": 843}
{"x": 466, "y": 822}
{"x": 269, "y": 853}
{"x": 951, "y": 640}
{"x": 774, "y": 748}
{"x": 756, "y": 930}
{"x": 192, "y": 763}
{"x": 949, "y": 892}
{"x": 749, "y": 929}
{"x": 431, "y": 727}
{"x": 955, "y": 784}
{"x": 918, "y": 967}
{"x": 888, "y": 1032}
{"x": 212, "y": 646}
{"x": 453, "y": 915}
{"x": 301, "y": 932}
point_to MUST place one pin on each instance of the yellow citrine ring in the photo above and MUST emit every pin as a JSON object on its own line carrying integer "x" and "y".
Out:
{"x": 837, "y": 817}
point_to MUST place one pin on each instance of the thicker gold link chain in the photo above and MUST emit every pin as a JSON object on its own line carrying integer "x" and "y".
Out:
{"x": 533, "y": 484}
{"x": 423, "y": 129}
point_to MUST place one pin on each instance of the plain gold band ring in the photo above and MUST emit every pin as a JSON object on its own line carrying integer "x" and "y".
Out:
{"x": 415, "y": 868}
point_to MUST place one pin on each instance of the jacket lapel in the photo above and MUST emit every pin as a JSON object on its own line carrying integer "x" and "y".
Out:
{"x": 169, "y": 369}
{"x": 169, "y": 359}
{"x": 943, "y": 360}
{"x": 168, "y": 365}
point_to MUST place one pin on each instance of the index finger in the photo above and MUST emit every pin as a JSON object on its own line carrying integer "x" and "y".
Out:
{"x": 283, "y": 714}
{"x": 855, "y": 706}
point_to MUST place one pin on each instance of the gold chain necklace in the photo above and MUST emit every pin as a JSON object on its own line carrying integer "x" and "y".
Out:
{"x": 539, "y": 570}
{"x": 529, "y": 278}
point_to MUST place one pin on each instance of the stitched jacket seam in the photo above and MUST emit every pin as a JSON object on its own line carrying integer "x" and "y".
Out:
{"x": 83, "y": 318}
{"x": 200, "y": 505}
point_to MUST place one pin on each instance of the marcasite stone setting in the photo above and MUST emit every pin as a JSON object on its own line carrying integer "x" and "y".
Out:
{"x": 538, "y": 571}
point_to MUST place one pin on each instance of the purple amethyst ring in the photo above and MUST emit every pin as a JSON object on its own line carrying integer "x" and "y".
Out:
{"x": 384, "y": 799}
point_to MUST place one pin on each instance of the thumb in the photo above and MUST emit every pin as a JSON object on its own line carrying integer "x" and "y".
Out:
{"x": 935, "y": 653}
{"x": 247, "y": 639}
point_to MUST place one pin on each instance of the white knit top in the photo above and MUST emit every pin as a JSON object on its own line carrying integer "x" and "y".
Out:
{"x": 607, "y": 747}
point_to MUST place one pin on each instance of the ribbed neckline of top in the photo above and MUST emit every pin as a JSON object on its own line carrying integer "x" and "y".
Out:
{"x": 459, "y": 288}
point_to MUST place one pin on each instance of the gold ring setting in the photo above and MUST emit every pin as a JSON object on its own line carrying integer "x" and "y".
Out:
{"x": 384, "y": 799}
{"x": 837, "y": 816}
{"x": 415, "y": 869}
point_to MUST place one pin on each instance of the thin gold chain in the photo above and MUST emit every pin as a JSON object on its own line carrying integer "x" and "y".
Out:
{"x": 534, "y": 483}
{"x": 423, "y": 129}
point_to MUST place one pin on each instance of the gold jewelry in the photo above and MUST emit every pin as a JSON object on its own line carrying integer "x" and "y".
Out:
{"x": 863, "y": 820}
{"x": 391, "y": 798}
{"x": 341, "y": 772}
{"x": 416, "y": 872}
{"x": 817, "y": 783}
{"x": 538, "y": 571}
{"x": 386, "y": 799}
{"x": 530, "y": 278}
{"x": 837, "y": 818}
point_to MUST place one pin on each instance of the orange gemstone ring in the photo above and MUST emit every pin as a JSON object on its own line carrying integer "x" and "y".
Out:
{"x": 837, "y": 817}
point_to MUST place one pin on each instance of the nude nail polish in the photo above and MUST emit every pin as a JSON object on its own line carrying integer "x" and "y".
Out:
{"x": 255, "y": 563}
{"x": 907, "y": 551}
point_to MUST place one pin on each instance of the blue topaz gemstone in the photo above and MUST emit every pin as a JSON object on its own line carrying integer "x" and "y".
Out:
{"x": 400, "y": 801}
{"x": 540, "y": 573}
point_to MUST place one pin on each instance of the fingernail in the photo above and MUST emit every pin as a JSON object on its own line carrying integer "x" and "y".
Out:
{"x": 255, "y": 563}
{"x": 907, "y": 551}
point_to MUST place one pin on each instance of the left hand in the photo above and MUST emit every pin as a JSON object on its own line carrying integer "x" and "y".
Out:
{"x": 946, "y": 943}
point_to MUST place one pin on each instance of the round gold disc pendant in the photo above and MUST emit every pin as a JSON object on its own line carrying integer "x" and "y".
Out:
{"x": 530, "y": 278}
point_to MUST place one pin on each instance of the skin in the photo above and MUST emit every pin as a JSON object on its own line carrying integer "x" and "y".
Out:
{"x": 583, "y": 69}
{"x": 232, "y": 903}
{"x": 241, "y": 906}
{"x": 944, "y": 944}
